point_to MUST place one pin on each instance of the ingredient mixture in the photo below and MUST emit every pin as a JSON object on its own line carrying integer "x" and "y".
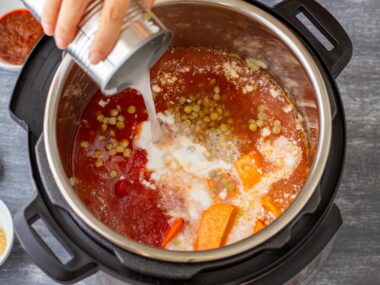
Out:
{"x": 232, "y": 157}
{"x": 19, "y": 32}
{"x": 3, "y": 241}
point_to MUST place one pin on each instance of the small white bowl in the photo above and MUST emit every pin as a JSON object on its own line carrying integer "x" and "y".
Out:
{"x": 7, "y": 6}
{"x": 6, "y": 224}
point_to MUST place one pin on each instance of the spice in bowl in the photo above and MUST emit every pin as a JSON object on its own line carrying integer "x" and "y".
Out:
{"x": 19, "y": 32}
{"x": 3, "y": 241}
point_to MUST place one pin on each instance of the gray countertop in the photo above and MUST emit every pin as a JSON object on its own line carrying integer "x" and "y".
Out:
{"x": 355, "y": 258}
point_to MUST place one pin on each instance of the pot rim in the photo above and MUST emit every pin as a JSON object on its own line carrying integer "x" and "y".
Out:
{"x": 315, "y": 174}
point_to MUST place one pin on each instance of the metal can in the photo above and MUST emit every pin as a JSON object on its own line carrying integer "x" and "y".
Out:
{"x": 142, "y": 41}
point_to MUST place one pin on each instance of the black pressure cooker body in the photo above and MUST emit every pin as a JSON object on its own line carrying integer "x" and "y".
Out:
{"x": 292, "y": 256}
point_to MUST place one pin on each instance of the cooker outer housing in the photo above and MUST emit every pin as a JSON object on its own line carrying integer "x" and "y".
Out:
{"x": 329, "y": 64}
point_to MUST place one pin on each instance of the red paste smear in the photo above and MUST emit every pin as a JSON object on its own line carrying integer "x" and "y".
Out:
{"x": 19, "y": 32}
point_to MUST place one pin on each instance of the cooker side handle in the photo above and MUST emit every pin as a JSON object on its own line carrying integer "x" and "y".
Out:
{"x": 340, "y": 54}
{"x": 77, "y": 268}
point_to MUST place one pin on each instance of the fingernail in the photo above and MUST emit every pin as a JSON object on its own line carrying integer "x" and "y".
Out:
{"x": 62, "y": 44}
{"x": 95, "y": 57}
{"x": 48, "y": 29}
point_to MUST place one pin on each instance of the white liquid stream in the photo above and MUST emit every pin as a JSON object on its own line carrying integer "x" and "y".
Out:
{"x": 142, "y": 84}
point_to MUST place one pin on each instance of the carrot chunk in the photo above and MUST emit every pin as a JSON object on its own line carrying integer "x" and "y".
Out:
{"x": 248, "y": 168}
{"x": 214, "y": 226}
{"x": 268, "y": 205}
{"x": 174, "y": 229}
{"x": 258, "y": 226}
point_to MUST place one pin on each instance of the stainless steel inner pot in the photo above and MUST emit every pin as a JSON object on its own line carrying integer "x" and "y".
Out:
{"x": 232, "y": 25}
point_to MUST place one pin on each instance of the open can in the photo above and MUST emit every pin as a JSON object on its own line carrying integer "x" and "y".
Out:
{"x": 142, "y": 41}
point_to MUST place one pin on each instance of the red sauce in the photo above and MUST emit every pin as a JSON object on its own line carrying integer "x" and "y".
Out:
{"x": 122, "y": 203}
{"x": 19, "y": 32}
{"x": 112, "y": 189}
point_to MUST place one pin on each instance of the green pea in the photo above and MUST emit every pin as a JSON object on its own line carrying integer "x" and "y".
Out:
{"x": 261, "y": 116}
{"x": 184, "y": 117}
{"x": 188, "y": 109}
{"x": 127, "y": 152}
{"x": 276, "y": 129}
{"x": 196, "y": 108}
{"x": 187, "y": 123}
{"x": 260, "y": 123}
{"x": 131, "y": 109}
{"x": 113, "y": 173}
{"x": 114, "y": 112}
{"x": 194, "y": 115}
{"x": 216, "y": 97}
{"x": 224, "y": 182}
{"x": 214, "y": 190}
{"x": 252, "y": 127}
{"x": 214, "y": 116}
{"x": 261, "y": 108}
{"x": 182, "y": 100}
{"x": 223, "y": 127}
{"x": 206, "y": 119}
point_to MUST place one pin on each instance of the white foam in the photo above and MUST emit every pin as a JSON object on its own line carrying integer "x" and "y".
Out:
{"x": 180, "y": 151}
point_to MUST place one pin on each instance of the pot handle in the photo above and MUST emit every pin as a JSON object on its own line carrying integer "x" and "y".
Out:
{"x": 336, "y": 58}
{"x": 77, "y": 268}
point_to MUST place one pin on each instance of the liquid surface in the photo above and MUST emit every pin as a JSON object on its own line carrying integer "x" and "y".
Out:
{"x": 19, "y": 32}
{"x": 232, "y": 157}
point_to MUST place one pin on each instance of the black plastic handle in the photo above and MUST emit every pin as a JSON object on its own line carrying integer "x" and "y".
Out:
{"x": 335, "y": 59}
{"x": 310, "y": 255}
{"x": 77, "y": 268}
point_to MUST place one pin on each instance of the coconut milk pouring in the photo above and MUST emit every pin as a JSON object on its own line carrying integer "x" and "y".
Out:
{"x": 142, "y": 84}
{"x": 142, "y": 41}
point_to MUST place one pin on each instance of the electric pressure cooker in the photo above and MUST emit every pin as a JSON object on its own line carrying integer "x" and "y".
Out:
{"x": 52, "y": 91}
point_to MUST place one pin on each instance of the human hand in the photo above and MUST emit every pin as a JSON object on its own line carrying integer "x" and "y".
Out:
{"x": 61, "y": 18}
